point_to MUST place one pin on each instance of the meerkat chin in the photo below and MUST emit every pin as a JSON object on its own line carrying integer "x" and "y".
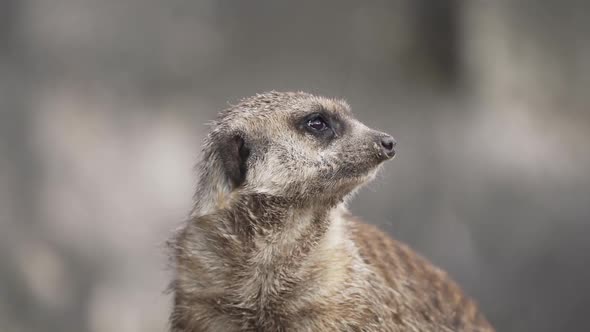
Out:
{"x": 270, "y": 245}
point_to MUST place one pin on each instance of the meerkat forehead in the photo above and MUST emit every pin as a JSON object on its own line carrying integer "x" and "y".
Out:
{"x": 271, "y": 104}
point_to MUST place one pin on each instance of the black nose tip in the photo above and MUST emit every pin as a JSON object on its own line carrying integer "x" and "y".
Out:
{"x": 388, "y": 144}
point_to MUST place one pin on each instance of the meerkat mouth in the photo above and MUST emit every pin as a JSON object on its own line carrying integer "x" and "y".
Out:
{"x": 362, "y": 178}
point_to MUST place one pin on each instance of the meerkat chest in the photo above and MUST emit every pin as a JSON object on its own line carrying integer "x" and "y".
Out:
{"x": 312, "y": 295}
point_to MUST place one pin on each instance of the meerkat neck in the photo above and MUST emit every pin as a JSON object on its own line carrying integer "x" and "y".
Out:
{"x": 276, "y": 223}
{"x": 266, "y": 244}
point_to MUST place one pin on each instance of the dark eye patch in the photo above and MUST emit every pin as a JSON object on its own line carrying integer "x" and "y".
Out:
{"x": 323, "y": 124}
{"x": 318, "y": 124}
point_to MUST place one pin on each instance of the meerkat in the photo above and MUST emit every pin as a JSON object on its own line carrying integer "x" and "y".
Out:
{"x": 270, "y": 245}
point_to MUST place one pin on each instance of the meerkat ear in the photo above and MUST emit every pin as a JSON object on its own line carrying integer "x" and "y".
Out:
{"x": 234, "y": 153}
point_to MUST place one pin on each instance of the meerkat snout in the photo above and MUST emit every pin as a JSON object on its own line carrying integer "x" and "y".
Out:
{"x": 388, "y": 144}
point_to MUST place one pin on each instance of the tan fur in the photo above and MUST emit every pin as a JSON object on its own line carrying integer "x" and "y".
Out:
{"x": 278, "y": 251}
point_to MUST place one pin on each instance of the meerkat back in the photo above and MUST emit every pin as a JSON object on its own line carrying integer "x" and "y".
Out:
{"x": 432, "y": 300}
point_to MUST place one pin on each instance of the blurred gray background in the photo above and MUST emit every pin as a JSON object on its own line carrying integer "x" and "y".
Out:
{"x": 103, "y": 105}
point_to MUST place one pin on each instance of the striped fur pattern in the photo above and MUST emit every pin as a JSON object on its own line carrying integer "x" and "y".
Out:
{"x": 425, "y": 297}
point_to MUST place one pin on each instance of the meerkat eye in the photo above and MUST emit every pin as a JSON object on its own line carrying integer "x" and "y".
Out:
{"x": 320, "y": 125}
{"x": 317, "y": 123}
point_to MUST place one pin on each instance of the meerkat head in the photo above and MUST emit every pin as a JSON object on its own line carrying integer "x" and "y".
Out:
{"x": 294, "y": 145}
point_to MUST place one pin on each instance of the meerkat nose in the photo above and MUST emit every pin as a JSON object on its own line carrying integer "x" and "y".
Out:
{"x": 388, "y": 144}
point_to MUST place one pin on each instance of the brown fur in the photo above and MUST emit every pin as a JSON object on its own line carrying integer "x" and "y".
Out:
{"x": 428, "y": 294}
{"x": 270, "y": 245}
